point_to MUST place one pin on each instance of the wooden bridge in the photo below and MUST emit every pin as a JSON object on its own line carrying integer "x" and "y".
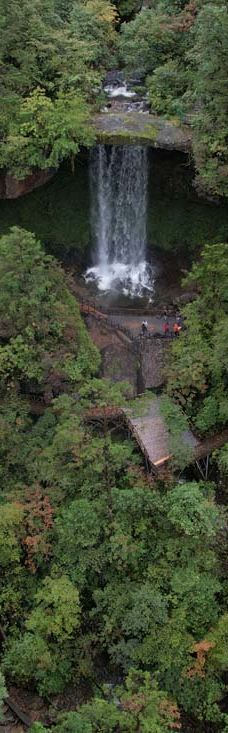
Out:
{"x": 152, "y": 437}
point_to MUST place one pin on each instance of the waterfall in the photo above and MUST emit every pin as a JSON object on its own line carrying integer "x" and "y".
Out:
{"x": 118, "y": 185}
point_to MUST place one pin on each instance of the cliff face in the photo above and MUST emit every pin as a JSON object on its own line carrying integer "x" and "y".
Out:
{"x": 112, "y": 128}
{"x": 13, "y": 188}
{"x": 177, "y": 221}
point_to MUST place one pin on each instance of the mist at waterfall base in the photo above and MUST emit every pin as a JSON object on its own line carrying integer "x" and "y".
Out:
{"x": 118, "y": 189}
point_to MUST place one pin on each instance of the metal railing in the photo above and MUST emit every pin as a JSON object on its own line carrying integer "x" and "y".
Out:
{"x": 119, "y": 310}
{"x": 104, "y": 313}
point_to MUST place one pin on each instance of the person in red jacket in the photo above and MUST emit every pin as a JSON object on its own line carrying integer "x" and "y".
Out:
{"x": 166, "y": 328}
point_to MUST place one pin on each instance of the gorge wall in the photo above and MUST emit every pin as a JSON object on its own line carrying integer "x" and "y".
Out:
{"x": 112, "y": 128}
{"x": 177, "y": 220}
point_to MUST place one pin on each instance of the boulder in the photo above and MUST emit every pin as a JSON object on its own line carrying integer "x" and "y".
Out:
{"x": 13, "y": 188}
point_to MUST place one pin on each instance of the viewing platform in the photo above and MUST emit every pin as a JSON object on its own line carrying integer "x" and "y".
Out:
{"x": 152, "y": 437}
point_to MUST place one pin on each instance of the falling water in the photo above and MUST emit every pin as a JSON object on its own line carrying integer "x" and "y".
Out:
{"x": 118, "y": 180}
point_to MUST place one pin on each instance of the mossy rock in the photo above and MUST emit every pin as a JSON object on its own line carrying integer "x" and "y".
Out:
{"x": 127, "y": 137}
{"x": 118, "y": 128}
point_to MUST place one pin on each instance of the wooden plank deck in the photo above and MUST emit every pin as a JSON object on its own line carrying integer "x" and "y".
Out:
{"x": 154, "y": 435}
{"x": 151, "y": 434}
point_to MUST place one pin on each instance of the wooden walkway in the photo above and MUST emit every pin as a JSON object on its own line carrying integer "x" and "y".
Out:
{"x": 152, "y": 437}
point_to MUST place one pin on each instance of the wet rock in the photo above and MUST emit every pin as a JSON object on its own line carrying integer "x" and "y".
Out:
{"x": 186, "y": 297}
{"x": 136, "y": 78}
{"x": 114, "y": 78}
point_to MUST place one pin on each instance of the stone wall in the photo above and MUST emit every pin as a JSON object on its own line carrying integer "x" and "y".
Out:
{"x": 154, "y": 358}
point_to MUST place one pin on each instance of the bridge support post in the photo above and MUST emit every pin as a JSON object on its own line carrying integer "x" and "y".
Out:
{"x": 203, "y": 467}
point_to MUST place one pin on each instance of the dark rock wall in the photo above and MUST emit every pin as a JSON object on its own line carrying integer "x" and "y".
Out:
{"x": 59, "y": 212}
{"x": 13, "y": 188}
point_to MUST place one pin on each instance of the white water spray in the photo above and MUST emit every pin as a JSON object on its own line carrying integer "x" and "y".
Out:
{"x": 118, "y": 181}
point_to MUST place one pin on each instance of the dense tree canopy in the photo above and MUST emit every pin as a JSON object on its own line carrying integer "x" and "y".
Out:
{"x": 38, "y": 313}
{"x": 55, "y": 53}
{"x": 52, "y": 55}
{"x": 182, "y": 47}
{"x": 113, "y": 584}
{"x": 198, "y": 375}
{"x": 97, "y": 563}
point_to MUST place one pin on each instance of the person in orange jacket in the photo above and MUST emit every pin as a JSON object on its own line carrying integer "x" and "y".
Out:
{"x": 176, "y": 328}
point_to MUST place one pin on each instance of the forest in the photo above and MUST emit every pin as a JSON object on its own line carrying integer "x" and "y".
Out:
{"x": 54, "y": 55}
{"x": 113, "y": 583}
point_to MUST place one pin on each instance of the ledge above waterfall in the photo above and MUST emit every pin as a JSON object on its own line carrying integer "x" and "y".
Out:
{"x": 136, "y": 127}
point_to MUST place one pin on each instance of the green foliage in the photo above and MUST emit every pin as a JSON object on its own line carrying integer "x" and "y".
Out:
{"x": 140, "y": 706}
{"x": 78, "y": 531}
{"x": 12, "y": 573}
{"x": 45, "y": 132}
{"x": 209, "y": 74}
{"x": 51, "y": 60}
{"x": 127, "y": 9}
{"x": 166, "y": 88}
{"x": 3, "y": 693}
{"x": 57, "y": 610}
{"x": 183, "y": 48}
{"x": 146, "y": 42}
{"x": 142, "y": 560}
{"x": 31, "y": 659}
{"x": 41, "y": 655}
{"x": 223, "y": 459}
{"x": 137, "y": 706}
{"x": 190, "y": 511}
{"x": 198, "y": 374}
{"x": 11, "y": 519}
{"x": 73, "y": 723}
{"x": 103, "y": 392}
{"x": 54, "y": 56}
{"x": 38, "y": 314}
{"x": 93, "y": 22}
{"x": 100, "y": 566}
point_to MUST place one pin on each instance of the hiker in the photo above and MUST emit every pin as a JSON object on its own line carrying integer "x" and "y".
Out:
{"x": 176, "y": 328}
{"x": 144, "y": 328}
{"x": 166, "y": 327}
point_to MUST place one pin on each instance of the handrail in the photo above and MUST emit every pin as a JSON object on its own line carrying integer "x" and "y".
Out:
{"x": 100, "y": 313}
{"x": 119, "y": 309}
